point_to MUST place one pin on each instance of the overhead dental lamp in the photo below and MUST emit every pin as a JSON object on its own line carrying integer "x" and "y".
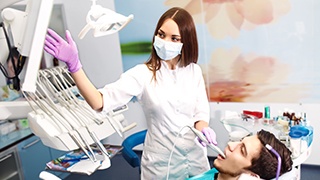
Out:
{"x": 103, "y": 21}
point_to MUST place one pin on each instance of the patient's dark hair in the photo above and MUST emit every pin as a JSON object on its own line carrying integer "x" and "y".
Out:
{"x": 266, "y": 164}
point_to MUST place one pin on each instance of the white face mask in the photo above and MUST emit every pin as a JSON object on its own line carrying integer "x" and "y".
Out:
{"x": 166, "y": 50}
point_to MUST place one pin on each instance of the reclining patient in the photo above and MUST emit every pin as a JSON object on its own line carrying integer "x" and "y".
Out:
{"x": 250, "y": 156}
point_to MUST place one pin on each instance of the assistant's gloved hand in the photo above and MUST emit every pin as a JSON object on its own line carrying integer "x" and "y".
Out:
{"x": 210, "y": 135}
{"x": 65, "y": 51}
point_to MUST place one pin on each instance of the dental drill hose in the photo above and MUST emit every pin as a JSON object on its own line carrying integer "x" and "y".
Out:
{"x": 202, "y": 137}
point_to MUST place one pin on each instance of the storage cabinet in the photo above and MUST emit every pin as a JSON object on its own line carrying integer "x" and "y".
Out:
{"x": 9, "y": 165}
{"x": 23, "y": 156}
{"x": 33, "y": 157}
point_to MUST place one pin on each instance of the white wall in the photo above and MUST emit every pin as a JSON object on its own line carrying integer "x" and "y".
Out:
{"x": 102, "y": 62}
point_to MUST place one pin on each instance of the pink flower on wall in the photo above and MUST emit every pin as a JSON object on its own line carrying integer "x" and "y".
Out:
{"x": 235, "y": 77}
{"x": 227, "y": 17}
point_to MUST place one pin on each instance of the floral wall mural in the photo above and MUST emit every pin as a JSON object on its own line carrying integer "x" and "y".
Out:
{"x": 226, "y": 18}
{"x": 250, "y": 51}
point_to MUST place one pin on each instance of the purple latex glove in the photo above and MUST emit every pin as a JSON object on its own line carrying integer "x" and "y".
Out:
{"x": 65, "y": 51}
{"x": 210, "y": 135}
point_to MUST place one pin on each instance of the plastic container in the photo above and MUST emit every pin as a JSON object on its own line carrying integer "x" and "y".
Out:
{"x": 7, "y": 128}
{"x": 295, "y": 143}
{"x": 267, "y": 122}
{"x": 310, "y": 135}
{"x": 304, "y": 136}
{"x": 283, "y": 120}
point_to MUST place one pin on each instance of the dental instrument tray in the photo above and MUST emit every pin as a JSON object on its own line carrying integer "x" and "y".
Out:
{"x": 64, "y": 120}
{"x": 239, "y": 125}
{"x": 77, "y": 162}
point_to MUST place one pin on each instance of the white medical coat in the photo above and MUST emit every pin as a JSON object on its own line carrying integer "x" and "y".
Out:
{"x": 177, "y": 99}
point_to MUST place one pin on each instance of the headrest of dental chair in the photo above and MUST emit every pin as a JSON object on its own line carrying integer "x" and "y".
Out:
{"x": 291, "y": 175}
{"x": 129, "y": 143}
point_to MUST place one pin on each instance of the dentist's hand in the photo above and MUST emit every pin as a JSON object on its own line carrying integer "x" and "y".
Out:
{"x": 210, "y": 135}
{"x": 65, "y": 51}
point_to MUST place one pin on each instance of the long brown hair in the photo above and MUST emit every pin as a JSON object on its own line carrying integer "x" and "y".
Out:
{"x": 189, "y": 51}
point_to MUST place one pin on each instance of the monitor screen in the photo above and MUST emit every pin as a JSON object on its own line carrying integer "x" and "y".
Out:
{"x": 24, "y": 30}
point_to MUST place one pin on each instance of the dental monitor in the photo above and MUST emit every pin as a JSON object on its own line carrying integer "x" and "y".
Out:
{"x": 23, "y": 31}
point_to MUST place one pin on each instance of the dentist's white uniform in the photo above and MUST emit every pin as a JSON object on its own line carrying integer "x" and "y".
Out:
{"x": 178, "y": 98}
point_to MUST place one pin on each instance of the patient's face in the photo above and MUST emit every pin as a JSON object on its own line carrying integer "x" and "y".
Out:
{"x": 238, "y": 156}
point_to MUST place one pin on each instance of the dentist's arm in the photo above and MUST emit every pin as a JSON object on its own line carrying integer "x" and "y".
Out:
{"x": 88, "y": 90}
{"x": 66, "y": 51}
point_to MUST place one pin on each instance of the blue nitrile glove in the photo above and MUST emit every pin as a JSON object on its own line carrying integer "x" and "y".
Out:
{"x": 210, "y": 135}
{"x": 65, "y": 51}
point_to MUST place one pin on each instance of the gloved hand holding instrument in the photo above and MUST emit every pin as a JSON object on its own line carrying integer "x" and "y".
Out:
{"x": 210, "y": 136}
{"x": 207, "y": 137}
{"x": 64, "y": 50}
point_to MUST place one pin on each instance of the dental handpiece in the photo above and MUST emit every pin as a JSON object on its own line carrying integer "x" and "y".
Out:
{"x": 204, "y": 139}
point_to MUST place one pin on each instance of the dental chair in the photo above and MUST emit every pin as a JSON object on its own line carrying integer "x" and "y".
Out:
{"x": 128, "y": 144}
{"x": 134, "y": 160}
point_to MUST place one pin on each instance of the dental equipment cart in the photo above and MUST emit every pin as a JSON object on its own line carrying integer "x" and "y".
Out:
{"x": 241, "y": 125}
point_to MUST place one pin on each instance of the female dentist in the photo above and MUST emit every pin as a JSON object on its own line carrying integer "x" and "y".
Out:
{"x": 170, "y": 88}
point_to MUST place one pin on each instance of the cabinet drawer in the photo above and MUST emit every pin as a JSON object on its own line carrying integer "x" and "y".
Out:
{"x": 9, "y": 165}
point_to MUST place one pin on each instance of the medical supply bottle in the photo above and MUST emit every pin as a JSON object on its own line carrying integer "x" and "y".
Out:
{"x": 304, "y": 136}
{"x": 295, "y": 143}
{"x": 267, "y": 112}
{"x": 267, "y": 121}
